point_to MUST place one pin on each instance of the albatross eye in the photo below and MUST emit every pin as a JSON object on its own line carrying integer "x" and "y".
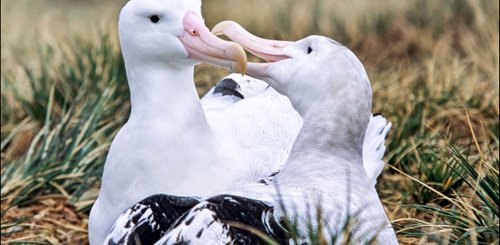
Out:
{"x": 309, "y": 50}
{"x": 154, "y": 18}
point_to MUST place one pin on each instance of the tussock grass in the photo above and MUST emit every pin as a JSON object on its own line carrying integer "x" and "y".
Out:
{"x": 434, "y": 67}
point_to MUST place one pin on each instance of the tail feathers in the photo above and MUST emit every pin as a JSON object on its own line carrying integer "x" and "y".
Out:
{"x": 148, "y": 220}
{"x": 227, "y": 219}
{"x": 374, "y": 146}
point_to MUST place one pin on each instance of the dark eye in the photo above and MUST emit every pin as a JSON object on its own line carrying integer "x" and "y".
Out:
{"x": 309, "y": 50}
{"x": 154, "y": 18}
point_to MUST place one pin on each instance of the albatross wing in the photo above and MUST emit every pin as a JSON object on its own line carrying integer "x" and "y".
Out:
{"x": 228, "y": 219}
{"x": 148, "y": 220}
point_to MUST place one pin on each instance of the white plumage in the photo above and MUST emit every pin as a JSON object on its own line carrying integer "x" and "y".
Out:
{"x": 325, "y": 166}
{"x": 259, "y": 129}
{"x": 172, "y": 142}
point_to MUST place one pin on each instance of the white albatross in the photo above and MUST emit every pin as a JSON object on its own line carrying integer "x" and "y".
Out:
{"x": 329, "y": 87}
{"x": 174, "y": 143}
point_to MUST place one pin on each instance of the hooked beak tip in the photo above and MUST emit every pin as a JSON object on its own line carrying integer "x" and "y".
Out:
{"x": 241, "y": 61}
{"x": 204, "y": 46}
{"x": 221, "y": 27}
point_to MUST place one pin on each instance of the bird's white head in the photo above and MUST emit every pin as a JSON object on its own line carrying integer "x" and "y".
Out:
{"x": 307, "y": 71}
{"x": 172, "y": 32}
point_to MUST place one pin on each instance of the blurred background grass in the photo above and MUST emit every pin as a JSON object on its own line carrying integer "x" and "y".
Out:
{"x": 434, "y": 67}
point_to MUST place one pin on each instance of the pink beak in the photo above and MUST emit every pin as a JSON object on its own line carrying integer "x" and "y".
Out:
{"x": 204, "y": 46}
{"x": 269, "y": 50}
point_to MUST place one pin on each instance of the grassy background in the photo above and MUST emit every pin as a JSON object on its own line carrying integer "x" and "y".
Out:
{"x": 434, "y": 67}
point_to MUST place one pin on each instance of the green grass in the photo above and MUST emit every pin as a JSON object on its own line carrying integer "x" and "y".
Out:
{"x": 75, "y": 104}
{"x": 434, "y": 68}
{"x": 472, "y": 215}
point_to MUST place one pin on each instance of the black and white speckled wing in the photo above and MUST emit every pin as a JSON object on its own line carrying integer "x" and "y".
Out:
{"x": 148, "y": 220}
{"x": 227, "y": 219}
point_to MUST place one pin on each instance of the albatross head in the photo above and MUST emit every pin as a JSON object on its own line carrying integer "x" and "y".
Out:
{"x": 307, "y": 71}
{"x": 172, "y": 33}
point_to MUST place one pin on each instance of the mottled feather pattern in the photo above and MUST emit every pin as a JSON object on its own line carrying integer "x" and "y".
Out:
{"x": 148, "y": 220}
{"x": 225, "y": 219}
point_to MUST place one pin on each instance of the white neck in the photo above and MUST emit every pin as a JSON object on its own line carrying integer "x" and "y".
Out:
{"x": 153, "y": 152}
{"x": 157, "y": 91}
{"x": 166, "y": 123}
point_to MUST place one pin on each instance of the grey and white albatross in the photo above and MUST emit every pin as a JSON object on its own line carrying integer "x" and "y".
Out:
{"x": 329, "y": 87}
